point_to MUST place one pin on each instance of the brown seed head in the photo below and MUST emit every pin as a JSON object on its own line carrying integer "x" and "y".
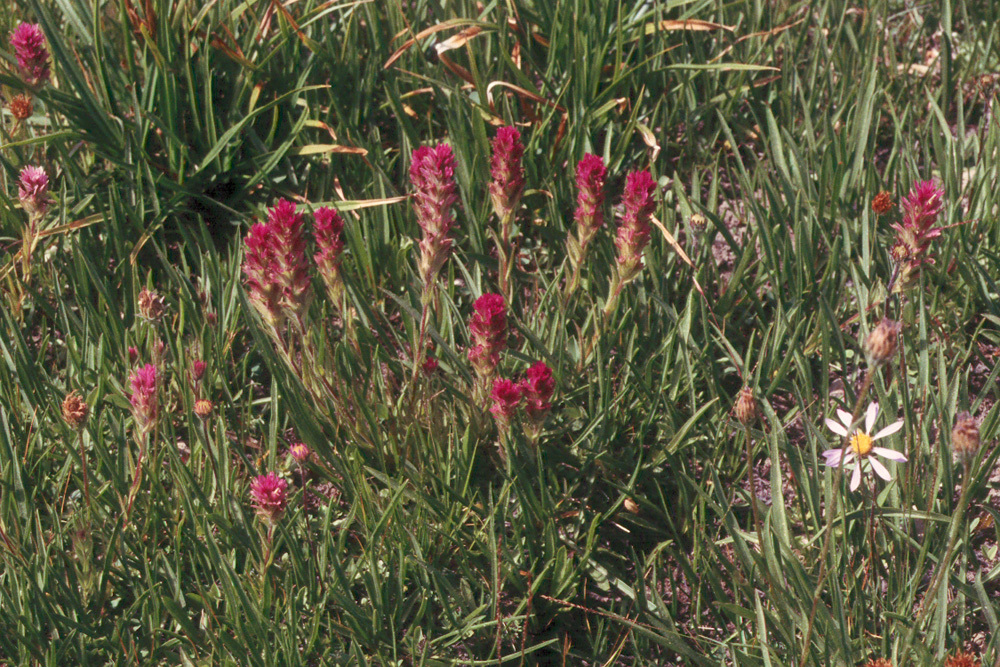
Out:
{"x": 203, "y": 408}
{"x": 965, "y": 437}
{"x": 883, "y": 341}
{"x": 21, "y": 107}
{"x": 745, "y": 409}
{"x": 878, "y": 662}
{"x": 882, "y": 203}
{"x": 75, "y": 410}
{"x": 151, "y": 305}
{"x": 697, "y": 222}
{"x": 961, "y": 659}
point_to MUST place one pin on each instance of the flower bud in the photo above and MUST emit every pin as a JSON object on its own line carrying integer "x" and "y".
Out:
{"x": 882, "y": 203}
{"x": 883, "y": 341}
{"x": 965, "y": 437}
{"x": 745, "y": 409}
{"x": 21, "y": 107}
{"x": 299, "y": 451}
{"x": 151, "y": 305}
{"x": 203, "y": 408}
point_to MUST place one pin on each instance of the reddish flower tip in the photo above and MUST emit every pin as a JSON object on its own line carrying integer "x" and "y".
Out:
{"x": 29, "y": 49}
{"x": 270, "y": 494}
{"x": 506, "y": 397}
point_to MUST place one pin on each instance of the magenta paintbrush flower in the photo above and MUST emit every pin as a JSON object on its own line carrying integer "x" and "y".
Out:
{"x": 274, "y": 265}
{"x": 920, "y": 209}
{"x": 537, "y": 388}
{"x": 634, "y": 228}
{"x": 33, "y": 190}
{"x": 270, "y": 494}
{"x": 508, "y": 176}
{"x": 32, "y": 56}
{"x": 590, "y": 174}
{"x": 329, "y": 248}
{"x": 432, "y": 175}
{"x": 488, "y": 326}
{"x": 506, "y": 397}
{"x": 144, "y": 399}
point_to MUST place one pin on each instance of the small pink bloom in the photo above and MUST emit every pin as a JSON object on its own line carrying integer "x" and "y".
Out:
{"x": 198, "y": 370}
{"x": 506, "y": 397}
{"x": 133, "y": 354}
{"x": 590, "y": 173}
{"x": 329, "y": 245}
{"x": 299, "y": 451}
{"x": 488, "y": 326}
{"x": 144, "y": 400}
{"x": 432, "y": 175}
{"x": 537, "y": 388}
{"x": 33, "y": 189}
{"x": 430, "y": 365}
{"x": 505, "y": 168}
{"x": 270, "y": 494}
{"x": 29, "y": 49}
{"x": 634, "y": 229}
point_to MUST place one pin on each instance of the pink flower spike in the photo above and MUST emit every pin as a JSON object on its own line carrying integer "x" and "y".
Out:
{"x": 507, "y": 172}
{"x": 144, "y": 400}
{"x": 590, "y": 173}
{"x": 32, "y": 56}
{"x": 432, "y": 175}
{"x": 537, "y": 388}
{"x": 506, "y": 397}
{"x": 270, "y": 494}
{"x": 488, "y": 326}
{"x": 33, "y": 189}
{"x": 634, "y": 229}
{"x": 329, "y": 248}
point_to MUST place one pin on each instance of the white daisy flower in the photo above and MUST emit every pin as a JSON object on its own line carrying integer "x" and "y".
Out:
{"x": 861, "y": 447}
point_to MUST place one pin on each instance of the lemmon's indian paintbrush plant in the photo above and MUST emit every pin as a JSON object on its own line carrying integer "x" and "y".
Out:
{"x": 632, "y": 238}
{"x": 269, "y": 494}
{"x": 920, "y": 210}
{"x": 537, "y": 388}
{"x": 144, "y": 399}
{"x": 432, "y": 175}
{"x": 507, "y": 185}
{"x": 277, "y": 276}
{"x": 329, "y": 248}
{"x": 589, "y": 216}
{"x": 32, "y": 56}
{"x": 488, "y": 326}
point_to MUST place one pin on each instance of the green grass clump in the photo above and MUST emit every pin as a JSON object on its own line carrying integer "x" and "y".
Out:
{"x": 183, "y": 313}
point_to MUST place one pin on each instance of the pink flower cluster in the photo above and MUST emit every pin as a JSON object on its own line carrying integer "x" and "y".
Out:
{"x": 488, "y": 326}
{"x": 634, "y": 229}
{"x": 329, "y": 249}
{"x": 33, "y": 190}
{"x": 535, "y": 392}
{"x": 920, "y": 209}
{"x": 32, "y": 56}
{"x": 144, "y": 399}
{"x": 508, "y": 175}
{"x": 432, "y": 175}
{"x": 275, "y": 268}
{"x": 590, "y": 174}
{"x": 270, "y": 494}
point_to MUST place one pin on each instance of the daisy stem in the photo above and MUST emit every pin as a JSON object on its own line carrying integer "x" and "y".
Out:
{"x": 831, "y": 510}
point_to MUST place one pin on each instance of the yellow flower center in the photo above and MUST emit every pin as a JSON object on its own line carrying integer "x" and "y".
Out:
{"x": 861, "y": 443}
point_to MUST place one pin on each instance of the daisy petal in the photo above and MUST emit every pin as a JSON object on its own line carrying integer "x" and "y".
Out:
{"x": 872, "y": 415}
{"x": 856, "y": 478}
{"x": 845, "y": 417}
{"x": 890, "y": 454}
{"x": 836, "y": 428}
{"x": 832, "y": 457}
{"x": 880, "y": 470}
{"x": 889, "y": 430}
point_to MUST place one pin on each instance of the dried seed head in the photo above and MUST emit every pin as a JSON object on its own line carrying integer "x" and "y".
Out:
{"x": 878, "y": 662}
{"x": 961, "y": 659}
{"x": 745, "y": 409}
{"x": 151, "y": 305}
{"x": 965, "y": 437}
{"x": 21, "y": 107}
{"x": 698, "y": 222}
{"x": 203, "y": 408}
{"x": 883, "y": 341}
{"x": 75, "y": 410}
{"x": 882, "y": 203}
